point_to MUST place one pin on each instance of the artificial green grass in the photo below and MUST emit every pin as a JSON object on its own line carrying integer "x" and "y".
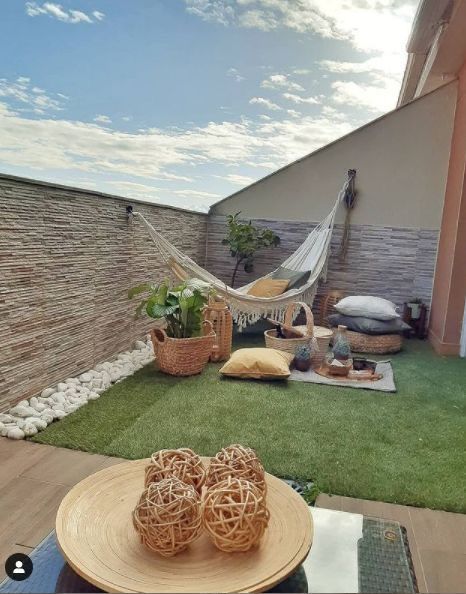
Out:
{"x": 406, "y": 448}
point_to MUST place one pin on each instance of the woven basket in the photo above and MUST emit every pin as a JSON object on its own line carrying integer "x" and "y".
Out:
{"x": 327, "y": 305}
{"x": 183, "y": 356}
{"x": 218, "y": 313}
{"x": 380, "y": 345}
{"x": 290, "y": 345}
{"x": 323, "y": 336}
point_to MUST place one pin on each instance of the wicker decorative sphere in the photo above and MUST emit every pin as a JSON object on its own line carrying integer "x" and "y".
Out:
{"x": 236, "y": 461}
{"x": 168, "y": 516}
{"x": 183, "y": 464}
{"x": 235, "y": 515}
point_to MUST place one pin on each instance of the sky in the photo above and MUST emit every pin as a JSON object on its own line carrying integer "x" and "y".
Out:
{"x": 184, "y": 102}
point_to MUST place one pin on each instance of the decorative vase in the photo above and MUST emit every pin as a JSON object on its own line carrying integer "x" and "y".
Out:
{"x": 302, "y": 364}
{"x": 341, "y": 348}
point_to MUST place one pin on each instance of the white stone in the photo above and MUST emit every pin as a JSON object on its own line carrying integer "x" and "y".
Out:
{"x": 71, "y": 381}
{"x": 47, "y": 392}
{"x": 5, "y": 417}
{"x": 70, "y": 408}
{"x": 23, "y": 403}
{"x": 96, "y": 383}
{"x": 59, "y": 397}
{"x": 39, "y": 407}
{"x": 29, "y": 430}
{"x": 99, "y": 367}
{"x": 47, "y": 418}
{"x": 33, "y": 402}
{"x": 140, "y": 345}
{"x": 59, "y": 414}
{"x": 71, "y": 392}
{"x": 40, "y": 424}
{"x": 94, "y": 396}
{"x": 21, "y": 411}
{"x": 16, "y": 433}
{"x": 85, "y": 377}
{"x": 59, "y": 406}
{"x": 62, "y": 387}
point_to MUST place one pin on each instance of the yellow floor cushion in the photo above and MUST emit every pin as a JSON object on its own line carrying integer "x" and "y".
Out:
{"x": 269, "y": 287}
{"x": 258, "y": 364}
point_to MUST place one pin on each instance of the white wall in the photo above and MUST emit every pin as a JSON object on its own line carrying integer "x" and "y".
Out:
{"x": 401, "y": 161}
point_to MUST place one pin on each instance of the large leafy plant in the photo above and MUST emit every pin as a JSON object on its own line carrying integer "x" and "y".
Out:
{"x": 181, "y": 306}
{"x": 244, "y": 240}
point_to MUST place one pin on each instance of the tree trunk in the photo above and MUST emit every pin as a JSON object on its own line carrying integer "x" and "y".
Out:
{"x": 233, "y": 277}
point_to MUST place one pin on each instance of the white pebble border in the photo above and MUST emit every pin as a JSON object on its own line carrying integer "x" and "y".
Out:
{"x": 31, "y": 416}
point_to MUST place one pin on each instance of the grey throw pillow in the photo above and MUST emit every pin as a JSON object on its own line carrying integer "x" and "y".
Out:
{"x": 368, "y": 325}
{"x": 297, "y": 279}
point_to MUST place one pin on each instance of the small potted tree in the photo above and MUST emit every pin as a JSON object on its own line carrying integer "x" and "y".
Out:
{"x": 185, "y": 345}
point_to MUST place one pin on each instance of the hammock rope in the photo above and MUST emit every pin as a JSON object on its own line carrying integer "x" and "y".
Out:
{"x": 312, "y": 255}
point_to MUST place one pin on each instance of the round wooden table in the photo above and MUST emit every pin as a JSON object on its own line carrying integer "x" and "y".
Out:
{"x": 97, "y": 538}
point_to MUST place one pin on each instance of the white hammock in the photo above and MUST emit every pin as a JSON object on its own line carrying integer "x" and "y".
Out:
{"x": 311, "y": 255}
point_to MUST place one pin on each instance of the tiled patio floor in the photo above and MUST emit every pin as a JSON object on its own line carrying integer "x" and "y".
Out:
{"x": 34, "y": 478}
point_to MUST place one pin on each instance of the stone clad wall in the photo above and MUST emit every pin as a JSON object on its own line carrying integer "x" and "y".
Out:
{"x": 394, "y": 263}
{"x": 67, "y": 260}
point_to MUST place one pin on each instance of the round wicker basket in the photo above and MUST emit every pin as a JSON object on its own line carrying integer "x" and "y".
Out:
{"x": 290, "y": 345}
{"x": 379, "y": 345}
{"x": 183, "y": 356}
{"x": 323, "y": 336}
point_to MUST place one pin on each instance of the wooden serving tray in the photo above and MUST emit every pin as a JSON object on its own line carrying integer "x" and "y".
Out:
{"x": 363, "y": 376}
{"x": 97, "y": 538}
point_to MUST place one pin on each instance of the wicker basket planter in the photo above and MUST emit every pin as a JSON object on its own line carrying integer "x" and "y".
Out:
{"x": 290, "y": 345}
{"x": 183, "y": 356}
{"x": 380, "y": 345}
{"x": 323, "y": 336}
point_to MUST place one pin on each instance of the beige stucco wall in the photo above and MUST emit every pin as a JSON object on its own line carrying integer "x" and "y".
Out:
{"x": 401, "y": 161}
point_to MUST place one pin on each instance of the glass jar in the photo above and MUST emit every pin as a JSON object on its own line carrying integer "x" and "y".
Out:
{"x": 341, "y": 348}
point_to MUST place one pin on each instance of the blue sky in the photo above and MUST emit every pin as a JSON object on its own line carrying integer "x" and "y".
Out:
{"x": 185, "y": 101}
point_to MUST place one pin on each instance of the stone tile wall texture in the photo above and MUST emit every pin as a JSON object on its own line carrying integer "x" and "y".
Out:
{"x": 394, "y": 263}
{"x": 67, "y": 260}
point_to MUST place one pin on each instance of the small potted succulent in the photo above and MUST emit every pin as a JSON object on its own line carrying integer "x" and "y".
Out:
{"x": 341, "y": 348}
{"x": 302, "y": 358}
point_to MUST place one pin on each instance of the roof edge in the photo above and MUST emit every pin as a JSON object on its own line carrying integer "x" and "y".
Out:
{"x": 55, "y": 186}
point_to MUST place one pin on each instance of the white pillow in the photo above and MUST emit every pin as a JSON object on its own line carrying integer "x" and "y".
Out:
{"x": 367, "y": 307}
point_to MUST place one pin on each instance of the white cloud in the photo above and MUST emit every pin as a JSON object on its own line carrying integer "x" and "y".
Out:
{"x": 29, "y": 97}
{"x": 280, "y": 81}
{"x": 379, "y": 28}
{"x": 265, "y": 102}
{"x": 293, "y": 113}
{"x": 375, "y": 98}
{"x": 57, "y": 11}
{"x": 301, "y": 100}
{"x": 233, "y": 73}
{"x": 235, "y": 178}
{"x": 102, "y": 119}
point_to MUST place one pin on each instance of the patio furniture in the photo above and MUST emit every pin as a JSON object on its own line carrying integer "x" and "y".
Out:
{"x": 376, "y": 344}
{"x": 96, "y": 536}
{"x": 311, "y": 256}
{"x": 326, "y": 306}
{"x": 417, "y": 323}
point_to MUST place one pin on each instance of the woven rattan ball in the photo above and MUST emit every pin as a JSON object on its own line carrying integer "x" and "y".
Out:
{"x": 235, "y": 515}
{"x": 183, "y": 464}
{"x": 168, "y": 516}
{"x": 238, "y": 461}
